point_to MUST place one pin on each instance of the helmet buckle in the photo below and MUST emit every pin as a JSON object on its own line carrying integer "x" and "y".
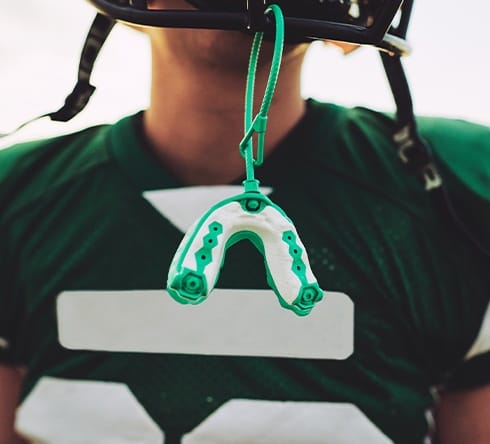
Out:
{"x": 256, "y": 15}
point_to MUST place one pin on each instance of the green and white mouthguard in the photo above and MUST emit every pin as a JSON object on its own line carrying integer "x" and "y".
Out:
{"x": 251, "y": 215}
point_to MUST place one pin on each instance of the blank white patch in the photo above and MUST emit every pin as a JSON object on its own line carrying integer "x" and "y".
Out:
{"x": 482, "y": 342}
{"x": 243, "y": 421}
{"x": 229, "y": 322}
{"x": 59, "y": 411}
{"x": 183, "y": 206}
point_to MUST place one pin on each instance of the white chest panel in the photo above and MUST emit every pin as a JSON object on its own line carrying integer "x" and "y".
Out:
{"x": 62, "y": 411}
{"x": 482, "y": 342}
{"x": 183, "y": 206}
{"x": 231, "y": 322}
{"x": 244, "y": 421}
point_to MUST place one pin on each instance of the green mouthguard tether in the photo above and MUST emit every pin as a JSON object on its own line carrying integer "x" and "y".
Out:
{"x": 250, "y": 215}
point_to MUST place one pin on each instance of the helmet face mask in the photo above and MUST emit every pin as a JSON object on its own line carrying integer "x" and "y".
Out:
{"x": 350, "y": 12}
{"x": 356, "y": 21}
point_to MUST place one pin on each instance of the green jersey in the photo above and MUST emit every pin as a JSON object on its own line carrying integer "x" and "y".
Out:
{"x": 76, "y": 219}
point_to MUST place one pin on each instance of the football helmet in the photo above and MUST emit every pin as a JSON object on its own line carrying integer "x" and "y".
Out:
{"x": 364, "y": 22}
{"x": 379, "y": 23}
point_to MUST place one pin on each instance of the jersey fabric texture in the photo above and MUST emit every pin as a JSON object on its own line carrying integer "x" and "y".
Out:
{"x": 73, "y": 218}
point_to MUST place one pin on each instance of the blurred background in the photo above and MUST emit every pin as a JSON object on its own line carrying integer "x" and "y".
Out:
{"x": 449, "y": 69}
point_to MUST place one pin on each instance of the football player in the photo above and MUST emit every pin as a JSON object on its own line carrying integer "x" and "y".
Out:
{"x": 94, "y": 351}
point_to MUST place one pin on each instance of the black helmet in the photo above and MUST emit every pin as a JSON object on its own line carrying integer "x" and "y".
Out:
{"x": 366, "y": 22}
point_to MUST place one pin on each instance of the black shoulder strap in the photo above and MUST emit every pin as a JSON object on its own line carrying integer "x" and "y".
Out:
{"x": 79, "y": 97}
{"x": 83, "y": 90}
{"x": 414, "y": 152}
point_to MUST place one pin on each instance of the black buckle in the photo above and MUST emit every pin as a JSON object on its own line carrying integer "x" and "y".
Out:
{"x": 416, "y": 157}
{"x": 255, "y": 15}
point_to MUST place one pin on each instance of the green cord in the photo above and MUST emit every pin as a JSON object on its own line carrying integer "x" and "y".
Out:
{"x": 259, "y": 123}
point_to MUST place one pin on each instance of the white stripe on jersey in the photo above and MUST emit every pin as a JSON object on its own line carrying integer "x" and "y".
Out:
{"x": 229, "y": 322}
{"x": 482, "y": 341}
{"x": 61, "y": 411}
{"x": 183, "y": 206}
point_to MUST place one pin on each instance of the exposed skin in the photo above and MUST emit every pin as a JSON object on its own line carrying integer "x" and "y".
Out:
{"x": 195, "y": 120}
{"x": 464, "y": 416}
{"x": 194, "y": 124}
{"x": 10, "y": 385}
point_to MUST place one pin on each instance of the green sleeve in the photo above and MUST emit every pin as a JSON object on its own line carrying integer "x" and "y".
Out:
{"x": 462, "y": 150}
{"x": 11, "y": 166}
{"x": 471, "y": 374}
{"x": 6, "y": 316}
{"x": 27, "y": 171}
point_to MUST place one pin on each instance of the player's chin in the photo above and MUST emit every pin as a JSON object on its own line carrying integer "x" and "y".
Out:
{"x": 224, "y": 50}
{"x": 231, "y": 49}
{"x": 227, "y": 51}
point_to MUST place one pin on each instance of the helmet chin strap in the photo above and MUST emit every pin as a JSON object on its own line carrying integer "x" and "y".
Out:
{"x": 413, "y": 151}
{"x": 415, "y": 154}
{"x": 83, "y": 90}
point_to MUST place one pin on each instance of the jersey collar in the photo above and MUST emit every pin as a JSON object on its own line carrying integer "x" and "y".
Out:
{"x": 146, "y": 171}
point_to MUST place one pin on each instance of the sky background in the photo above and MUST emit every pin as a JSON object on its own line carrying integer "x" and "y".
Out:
{"x": 449, "y": 69}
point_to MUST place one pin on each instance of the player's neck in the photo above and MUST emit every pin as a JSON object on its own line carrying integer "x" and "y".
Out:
{"x": 195, "y": 120}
